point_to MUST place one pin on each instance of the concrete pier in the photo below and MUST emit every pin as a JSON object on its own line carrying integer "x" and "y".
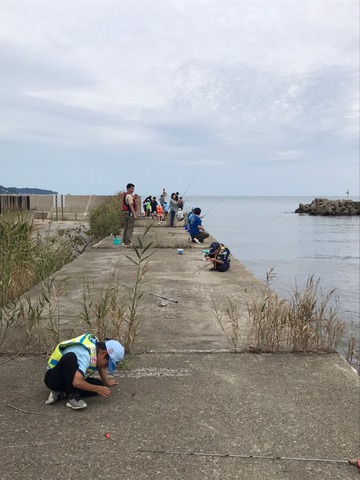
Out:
{"x": 187, "y": 408}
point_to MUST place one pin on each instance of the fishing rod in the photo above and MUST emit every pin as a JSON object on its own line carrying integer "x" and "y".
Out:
{"x": 201, "y": 268}
{"x": 218, "y": 203}
{"x": 192, "y": 181}
{"x": 152, "y": 294}
{"x": 249, "y": 456}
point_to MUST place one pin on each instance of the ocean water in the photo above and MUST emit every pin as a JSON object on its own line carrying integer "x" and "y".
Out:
{"x": 264, "y": 233}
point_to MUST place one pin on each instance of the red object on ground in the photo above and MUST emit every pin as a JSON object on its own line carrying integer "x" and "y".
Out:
{"x": 107, "y": 435}
{"x": 355, "y": 462}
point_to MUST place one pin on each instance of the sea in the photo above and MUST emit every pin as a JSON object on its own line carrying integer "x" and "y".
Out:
{"x": 265, "y": 233}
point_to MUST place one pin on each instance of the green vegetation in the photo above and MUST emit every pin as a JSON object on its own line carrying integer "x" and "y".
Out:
{"x": 27, "y": 259}
{"x": 308, "y": 322}
{"x": 108, "y": 218}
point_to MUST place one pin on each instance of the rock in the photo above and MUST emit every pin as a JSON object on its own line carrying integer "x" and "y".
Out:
{"x": 323, "y": 206}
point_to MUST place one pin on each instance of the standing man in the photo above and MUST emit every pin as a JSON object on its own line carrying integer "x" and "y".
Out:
{"x": 129, "y": 207}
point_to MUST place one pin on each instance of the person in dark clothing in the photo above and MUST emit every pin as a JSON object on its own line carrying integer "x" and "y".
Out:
{"x": 154, "y": 204}
{"x": 219, "y": 256}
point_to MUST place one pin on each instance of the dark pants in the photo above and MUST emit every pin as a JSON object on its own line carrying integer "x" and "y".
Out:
{"x": 129, "y": 223}
{"x": 200, "y": 236}
{"x": 221, "y": 267}
{"x": 60, "y": 377}
{"x": 172, "y": 217}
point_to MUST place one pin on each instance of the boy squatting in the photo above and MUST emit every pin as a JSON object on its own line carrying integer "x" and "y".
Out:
{"x": 71, "y": 365}
{"x": 219, "y": 256}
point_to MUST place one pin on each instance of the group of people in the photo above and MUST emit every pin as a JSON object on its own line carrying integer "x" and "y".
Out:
{"x": 72, "y": 363}
{"x": 161, "y": 209}
{"x": 153, "y": 208}
{"x": 218, "y": 254}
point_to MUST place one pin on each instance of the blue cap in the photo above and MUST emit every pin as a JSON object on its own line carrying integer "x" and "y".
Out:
{"x": 116, "y": 353}
{"x": 214, "y": 246}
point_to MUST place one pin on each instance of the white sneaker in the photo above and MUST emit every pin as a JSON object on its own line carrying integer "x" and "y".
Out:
{"x": 76, "y": 403}
{"x": 54, "y": 397}
{"x": 196, "y": 240}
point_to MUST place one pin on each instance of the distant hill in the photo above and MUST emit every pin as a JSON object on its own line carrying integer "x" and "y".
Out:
{"x": 25, "y": 191}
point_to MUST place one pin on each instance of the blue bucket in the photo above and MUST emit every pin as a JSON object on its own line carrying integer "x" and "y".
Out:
{"x": 117, "y": 241}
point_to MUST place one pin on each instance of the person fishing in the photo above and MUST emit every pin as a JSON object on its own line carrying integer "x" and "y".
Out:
{"x": 219, "y": 256}
{"x": 196, "y": 230}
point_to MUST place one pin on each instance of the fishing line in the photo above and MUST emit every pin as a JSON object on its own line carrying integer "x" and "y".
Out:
{"x": 218, "y": 203}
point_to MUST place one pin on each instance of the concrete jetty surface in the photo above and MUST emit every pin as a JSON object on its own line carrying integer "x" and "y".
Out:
{"x": 187, "y": 408}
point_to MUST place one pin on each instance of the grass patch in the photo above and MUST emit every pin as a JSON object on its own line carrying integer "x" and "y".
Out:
{"x": 308, "y": 322}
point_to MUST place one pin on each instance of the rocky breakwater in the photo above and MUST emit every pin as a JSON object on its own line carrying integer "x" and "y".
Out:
{"x": 323, "y": 206}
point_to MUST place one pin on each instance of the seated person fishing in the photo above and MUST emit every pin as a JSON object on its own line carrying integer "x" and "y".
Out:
{"x": 74, "y": 361}
{"x": 179, "y": 215}
{"x": 219, "y": 256}
{"x": 196, "y": 230}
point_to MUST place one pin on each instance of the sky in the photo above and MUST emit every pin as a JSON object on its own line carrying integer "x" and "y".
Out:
{"x": 203, "y": 97}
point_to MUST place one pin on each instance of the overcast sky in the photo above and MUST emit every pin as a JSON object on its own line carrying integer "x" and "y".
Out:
{"x": 250, "y": 97}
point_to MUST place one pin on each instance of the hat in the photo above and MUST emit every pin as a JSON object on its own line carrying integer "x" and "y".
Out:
{"x": 116, "y": 353}
{"x": 214, "y": 246}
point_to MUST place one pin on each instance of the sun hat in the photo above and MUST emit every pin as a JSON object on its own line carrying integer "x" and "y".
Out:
{"x": 213, "y": 247}
{"x": 116, "y": 353}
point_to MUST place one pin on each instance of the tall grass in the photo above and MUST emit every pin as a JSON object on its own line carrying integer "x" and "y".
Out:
{"x": 26, "y": 258}
{"x": 308, "y": 322}
{"x": 35, "y": 325}
{"x": 17, "y": 266}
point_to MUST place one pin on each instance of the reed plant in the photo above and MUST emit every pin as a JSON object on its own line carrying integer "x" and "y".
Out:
{"x": 27, "y": 258}
{"x": 17, "y": 272}
{"x": 307, "y": 322}
{"x": 229, "y": 322}
{"x": 33, "y": 325}
{"x": 103, "y": 314}
{"x": 134, "y": 311}
{"x": 352, "y": 353}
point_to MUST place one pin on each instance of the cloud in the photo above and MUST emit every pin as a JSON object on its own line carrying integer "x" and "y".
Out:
{"x": 245, "y": 85}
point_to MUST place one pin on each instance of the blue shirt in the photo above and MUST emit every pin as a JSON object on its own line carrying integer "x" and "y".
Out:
{"x": 82, "y": 355}
{"x": 194, "y": 222}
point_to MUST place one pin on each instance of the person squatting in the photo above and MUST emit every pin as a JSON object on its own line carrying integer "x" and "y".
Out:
{"x": 73, "y": 362}
{"x": 219, "y": 256}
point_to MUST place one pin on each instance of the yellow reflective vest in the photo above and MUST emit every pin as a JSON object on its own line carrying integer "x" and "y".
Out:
{"x": 87, "y": 340}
